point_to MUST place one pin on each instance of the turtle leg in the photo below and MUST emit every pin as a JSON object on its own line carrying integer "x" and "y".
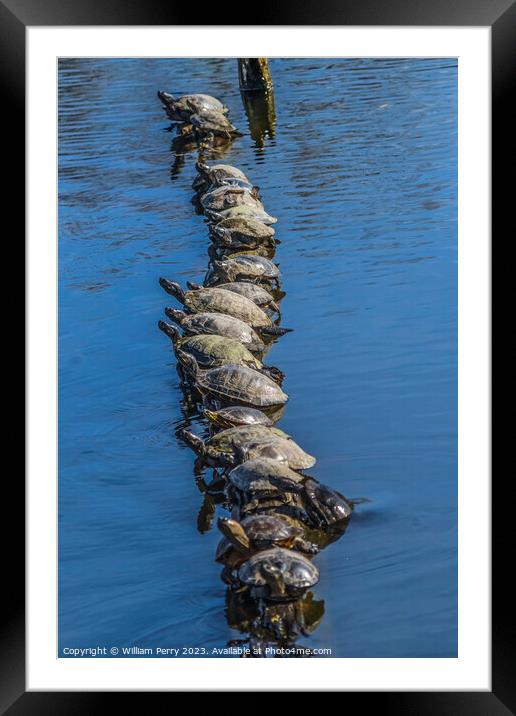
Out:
{"x": 250, "y": 506}
{"x": 228, "y": 577}
{"x": 273, "y": 373}
{"x": 298, "y": 513}
{"x": 304, "y": 545}
{"x": 217, "y": 484}
{"x": 275, "y": 330}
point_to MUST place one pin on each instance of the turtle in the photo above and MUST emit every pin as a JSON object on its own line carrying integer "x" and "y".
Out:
{"x": 278, "y": 574}
{"x": 247, "y": 267}
{"x": 212, "y": 123}
{"x": 327, "y": 508}
{"x": 212, "y": 351}
{"x": 225, "y": 197}
{"x": 216, "y": 175}
{"x": 219, "y": 253}
{"x": 263, "y": 482}
{"x": 255, "y": 533}
{"x": 242, "y": 233}
{"x": 264, "y": 475}
{"x": 182, "y": 108}
{"x": 234, "y": 415}
{"x": 224, "y": 447}
{"x": 235, "y": 183}
{"x": 255, "y": 293}
{"x": 218, "y": 300}
{"x": 234, "y": 383}
{"x": 218, "y": 324}
{"x": 248, "y": 443}
{"x": 277, "y": 449}
{"x": 244, "y": 210}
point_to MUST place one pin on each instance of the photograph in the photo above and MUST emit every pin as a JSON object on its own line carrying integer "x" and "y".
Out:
{"x": 257, "y": 387}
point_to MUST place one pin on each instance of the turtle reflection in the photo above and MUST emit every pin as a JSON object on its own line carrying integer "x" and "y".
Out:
{"x": 272, "y": 627}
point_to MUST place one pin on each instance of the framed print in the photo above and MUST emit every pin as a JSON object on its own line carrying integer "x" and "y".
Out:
{"x": 258, "y": 359}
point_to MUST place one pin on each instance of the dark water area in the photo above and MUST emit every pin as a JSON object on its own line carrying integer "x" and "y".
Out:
{"x": 361, "y": 171}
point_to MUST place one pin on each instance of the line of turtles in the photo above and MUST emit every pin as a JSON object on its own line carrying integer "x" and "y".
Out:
{"x": 279, "y": 517}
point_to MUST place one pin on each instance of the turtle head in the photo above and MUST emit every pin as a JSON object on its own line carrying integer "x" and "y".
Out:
{"x": 166, "y": 98}
{"x": 202, "y": 168}
{"x": 188, "y": 362}
{"x": 235, "y": 533}
{"x": 194, "y": 441}
{"x": 173, "y": 288}
{"x": 214, "y": 417}
{"x": 170, "y": 331}
{"x": 222, "y": 235}
{"x": 175, "y": 315}
{"x": 274, "y": 579}
{"x": 222, "y": 269}
{"x": 256, "y": 347}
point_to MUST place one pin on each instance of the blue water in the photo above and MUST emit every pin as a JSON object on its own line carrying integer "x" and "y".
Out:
{"x": 361, "y": 170}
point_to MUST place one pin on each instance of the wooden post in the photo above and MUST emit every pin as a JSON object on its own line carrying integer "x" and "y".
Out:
{"x": 258, "y": 97}
{"x": 254, "y": 74}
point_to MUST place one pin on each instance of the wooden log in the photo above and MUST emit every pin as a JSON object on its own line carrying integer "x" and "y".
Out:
{"x": 254, "y": 74}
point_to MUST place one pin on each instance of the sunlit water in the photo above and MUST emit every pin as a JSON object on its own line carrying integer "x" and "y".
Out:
{"x": 361, "y": 172}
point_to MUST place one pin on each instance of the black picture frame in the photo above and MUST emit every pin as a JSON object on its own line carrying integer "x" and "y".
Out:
{"x": 500, "y": 15}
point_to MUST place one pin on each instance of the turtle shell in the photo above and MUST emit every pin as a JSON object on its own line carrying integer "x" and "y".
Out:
{"x": 212, "y": 122}
{"x": 223, "y": 550}
{"x": 327, "y": 506}
{"x": 216, "y": 174}
{"x": 239, "y": 383}
{"x": 211, "y": 351}
{"x": 256, "y": 294}
{"x": 263, "y": 250}
{"x": 225, "y": 197}
{"x": 281, "y": 450}
{"x": 241, "y": 232}
{"x": 263, "y": 475}
{"x": 246, "y": 211}
{"x": 246, "y": 267}
{"x": 218, "y": 300}
{"x": 236, "y": 415}
{"x": 182, "y": 108}
{"x": 236, "y": 184}
{"x": 222, "y": 325}
{"x": 265, "y": 530}
{"x": 238, "y": 436}
{"x": 297, "y": 572}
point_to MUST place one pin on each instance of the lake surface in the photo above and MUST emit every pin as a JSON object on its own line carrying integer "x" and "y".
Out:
{"x": 361, "y": 172}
